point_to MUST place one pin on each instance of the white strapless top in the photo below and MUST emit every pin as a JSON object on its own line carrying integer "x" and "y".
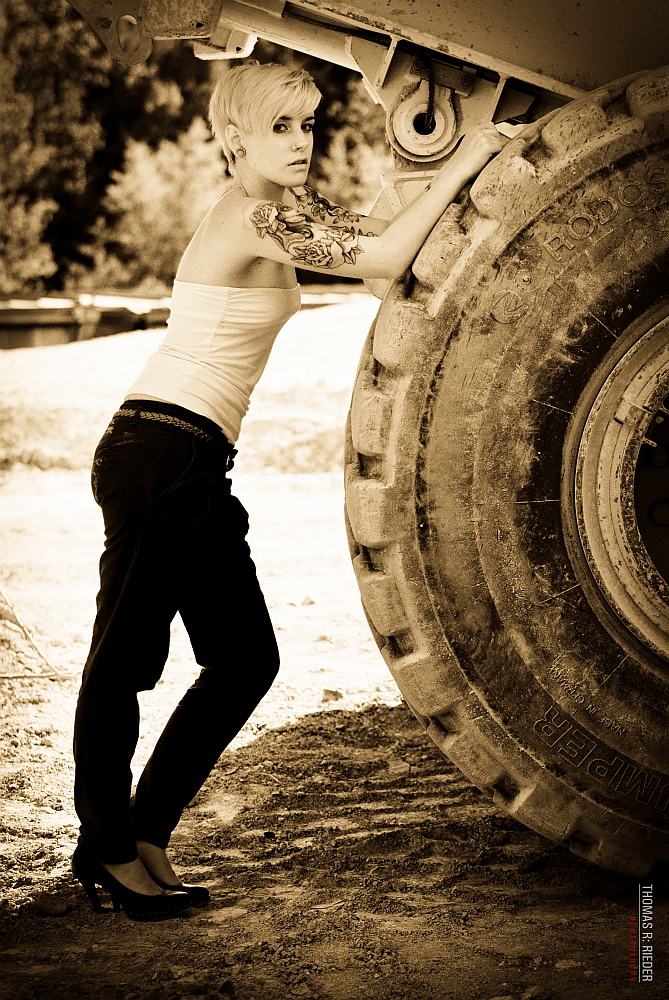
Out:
{"x": 217, "y": 344}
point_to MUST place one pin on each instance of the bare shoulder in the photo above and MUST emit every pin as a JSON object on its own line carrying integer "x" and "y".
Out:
{"x": 230, "y": 210}
{"x": 218, "y": 252}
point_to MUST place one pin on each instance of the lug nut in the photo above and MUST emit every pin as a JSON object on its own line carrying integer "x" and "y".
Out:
{"x": 659, "y": 513}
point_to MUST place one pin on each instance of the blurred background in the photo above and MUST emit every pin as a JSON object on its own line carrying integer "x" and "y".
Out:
{"x": 106, "y": 172}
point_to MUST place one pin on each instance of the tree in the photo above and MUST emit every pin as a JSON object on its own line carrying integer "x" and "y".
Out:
{"x": 45, "y": 135}
{"x": 158, "y": 201}
{"x": 66, "y": 118}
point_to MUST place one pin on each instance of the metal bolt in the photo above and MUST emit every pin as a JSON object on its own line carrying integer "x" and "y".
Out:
{"x": 417, "y": 65}
{"x": 659, "y": 419}
{"x": 466, "y": 80}
{"x": 659, "y": 513}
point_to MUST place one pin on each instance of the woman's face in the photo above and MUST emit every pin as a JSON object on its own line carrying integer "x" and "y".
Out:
{"x": 280, "y": 155}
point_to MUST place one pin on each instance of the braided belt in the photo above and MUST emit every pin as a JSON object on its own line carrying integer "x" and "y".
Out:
{"x": 166, "y": 418}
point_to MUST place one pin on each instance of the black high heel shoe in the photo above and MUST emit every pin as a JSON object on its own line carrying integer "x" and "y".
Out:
{"x": 199, "y": 894}
{"x": 138, "y": 906}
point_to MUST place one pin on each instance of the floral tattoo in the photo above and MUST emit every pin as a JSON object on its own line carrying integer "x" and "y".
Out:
{"x": 294, "y": 233}
{"x": 320, "y": 208}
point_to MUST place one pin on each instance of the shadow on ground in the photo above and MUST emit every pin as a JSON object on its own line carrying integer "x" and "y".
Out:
{"x": 346, "y": 858}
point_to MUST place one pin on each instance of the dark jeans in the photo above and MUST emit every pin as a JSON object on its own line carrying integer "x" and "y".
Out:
{"x": 175, "y": 540}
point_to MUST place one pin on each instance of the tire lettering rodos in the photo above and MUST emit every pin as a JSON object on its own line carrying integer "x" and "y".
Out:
{"x": 656, "y": 179}
{"x": 581, "y": 226}
{"x": 555, "y": 245}
{"x": 630, "y": 194}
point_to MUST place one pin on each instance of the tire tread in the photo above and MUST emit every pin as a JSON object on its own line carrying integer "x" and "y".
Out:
{"x": 552, "y": 153}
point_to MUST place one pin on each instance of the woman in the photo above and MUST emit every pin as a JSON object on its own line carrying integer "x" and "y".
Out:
{"x": 175, "y": 536}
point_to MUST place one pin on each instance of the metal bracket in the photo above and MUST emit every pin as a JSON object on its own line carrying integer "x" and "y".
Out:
{"x": 372, "y": 59}
{"x": 119, "y": 25}
{"x": 181, "y": 18}
{"x": 460, "y": 80}
{"x": 127, "y": 27}
{"x": 226, "y": 43}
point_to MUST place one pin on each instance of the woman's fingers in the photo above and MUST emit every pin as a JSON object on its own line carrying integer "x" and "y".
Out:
{"x": 484, "y": 140}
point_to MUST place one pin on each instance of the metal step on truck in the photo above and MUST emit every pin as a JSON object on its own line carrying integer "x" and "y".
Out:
{"x": 507, "y": 461}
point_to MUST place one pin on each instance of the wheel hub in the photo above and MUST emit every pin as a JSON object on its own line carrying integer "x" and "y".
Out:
{"x": 621, "y": 489}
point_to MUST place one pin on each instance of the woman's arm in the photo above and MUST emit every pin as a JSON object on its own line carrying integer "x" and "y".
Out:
{"x": 280, "y": 232}
{"x": 309, "y": 201}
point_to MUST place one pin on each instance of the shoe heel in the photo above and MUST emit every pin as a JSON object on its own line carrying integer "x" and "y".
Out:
{"x": 92, "y": 894}
{"x": 137, "y": 905}
{"x": 81, "y": 872}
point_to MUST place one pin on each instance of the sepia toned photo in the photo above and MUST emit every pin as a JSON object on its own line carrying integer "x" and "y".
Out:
{"x": 334, "y": 500}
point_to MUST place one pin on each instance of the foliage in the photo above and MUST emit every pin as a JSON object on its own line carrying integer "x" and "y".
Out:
{"x": 158, "y": 202}
{"x": 105, "y": 171}
{"x": 67, "y": 116}
{"x": 46, "y": 138}
{"x": 357, "y": 153}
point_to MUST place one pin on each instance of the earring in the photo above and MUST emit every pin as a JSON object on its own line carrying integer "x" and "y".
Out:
{"x": 241, "y": 151}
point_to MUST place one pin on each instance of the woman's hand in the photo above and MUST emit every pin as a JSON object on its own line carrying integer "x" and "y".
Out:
{"x": 476, "y": 148}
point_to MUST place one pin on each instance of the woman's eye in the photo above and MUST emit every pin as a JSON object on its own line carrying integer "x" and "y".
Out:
{"x": 279, "y": 126}
{"x": 309, "y": 126}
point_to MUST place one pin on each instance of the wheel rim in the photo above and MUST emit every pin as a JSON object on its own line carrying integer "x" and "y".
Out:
{"x": 621, "y": 484}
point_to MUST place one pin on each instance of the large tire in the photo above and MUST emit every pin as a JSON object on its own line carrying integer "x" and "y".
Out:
{"x": 506, "y": 428}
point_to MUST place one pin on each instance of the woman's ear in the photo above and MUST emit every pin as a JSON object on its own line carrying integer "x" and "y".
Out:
{"x": 233, "y": 137}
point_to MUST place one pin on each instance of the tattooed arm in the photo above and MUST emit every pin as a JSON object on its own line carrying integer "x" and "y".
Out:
{"x": 283, "y": 233}
{"x": 318, "y": 208}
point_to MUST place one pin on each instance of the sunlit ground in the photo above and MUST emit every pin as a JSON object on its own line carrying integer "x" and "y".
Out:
{"x": 56, "y": 402}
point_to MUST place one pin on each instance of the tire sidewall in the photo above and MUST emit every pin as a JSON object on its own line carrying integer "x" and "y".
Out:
{"x": 547, "y": 308}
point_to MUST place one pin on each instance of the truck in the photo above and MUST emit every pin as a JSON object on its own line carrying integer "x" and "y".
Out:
{"x": 507, "y": 446}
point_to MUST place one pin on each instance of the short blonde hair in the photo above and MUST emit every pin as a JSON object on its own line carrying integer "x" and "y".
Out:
{"x": 254, "y": 95}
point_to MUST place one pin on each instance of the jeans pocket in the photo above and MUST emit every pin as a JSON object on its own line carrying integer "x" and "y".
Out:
{"x": 180, "y": 488}
{"x": 174, "y": 465}
{"x": 102, "y": 467}
{"x": 112, "y": 445}
{"x": 95, "y": 479}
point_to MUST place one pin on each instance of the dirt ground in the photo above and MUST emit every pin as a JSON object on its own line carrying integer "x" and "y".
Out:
{"x": 345, "y": 856}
